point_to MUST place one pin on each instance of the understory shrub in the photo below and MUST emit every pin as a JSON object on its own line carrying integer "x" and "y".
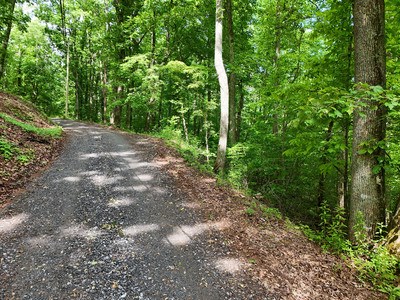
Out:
{"x": 373, "y": 261}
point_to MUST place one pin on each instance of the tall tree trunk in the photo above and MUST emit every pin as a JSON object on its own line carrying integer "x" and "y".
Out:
{"x": 277, "y": 43}
{"x": 6, "y": 38}
{"x": 104, "y": 94}
{"x": 232, "y": 75}
{"x": 367, "y": 186}
{"x": 324, "y": 160}
{"x": 343, "y": 188}
{"x": 67, "y": 84}
{"x": 224, "y": 90}
{"x": 239, "y": 111}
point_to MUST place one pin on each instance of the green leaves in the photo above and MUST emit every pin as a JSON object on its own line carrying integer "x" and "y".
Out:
{"x": 7, "y": 149}
{"x": 53, "y": 132}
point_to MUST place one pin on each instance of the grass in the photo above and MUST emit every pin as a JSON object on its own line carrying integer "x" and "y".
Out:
{"x": 47, "y": 132}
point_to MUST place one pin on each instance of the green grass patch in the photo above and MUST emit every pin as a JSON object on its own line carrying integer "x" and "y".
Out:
{"x": 49, "y": 132}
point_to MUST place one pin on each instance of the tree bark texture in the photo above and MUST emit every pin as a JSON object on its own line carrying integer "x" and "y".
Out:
{"x": 232, "y": 74}
{"x": 367, "y": 186}
{"x": 224, "y": 90}
{"x": 67, "y": 84}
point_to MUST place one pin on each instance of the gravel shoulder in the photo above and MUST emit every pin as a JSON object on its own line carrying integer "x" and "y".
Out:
{"x": 107, "y": 222}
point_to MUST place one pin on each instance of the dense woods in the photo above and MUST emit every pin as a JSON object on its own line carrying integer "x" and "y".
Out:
{"x": 311, "y": 89}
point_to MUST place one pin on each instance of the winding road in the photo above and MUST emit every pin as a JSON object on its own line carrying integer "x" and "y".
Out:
{"x": 104, "y": 223}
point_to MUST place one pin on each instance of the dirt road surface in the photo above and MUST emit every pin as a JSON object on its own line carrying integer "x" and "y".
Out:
{"x": 103, "y": 223}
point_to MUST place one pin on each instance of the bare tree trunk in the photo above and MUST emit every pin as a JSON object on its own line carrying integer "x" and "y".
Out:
{"x": 6, "y": 38}
{"x": 232, "y": 75}
{"x": 185, "y": 130}
{"x": 224, "y": 90}
{"x": 104, "y": 92}
{"x": 67, "y": 84}
{"x": 324, "y": 160}
{"x": 367, "y": 186}
{"x": 239, "y": 111}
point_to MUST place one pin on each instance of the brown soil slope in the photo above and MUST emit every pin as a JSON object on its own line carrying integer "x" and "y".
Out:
{"x": 27, "y": 152}
{"x": 282, "y": 258}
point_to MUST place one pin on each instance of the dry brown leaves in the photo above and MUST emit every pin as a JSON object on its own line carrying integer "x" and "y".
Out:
{"x": 284, "y": 260}
{"x": 39, "y": 151}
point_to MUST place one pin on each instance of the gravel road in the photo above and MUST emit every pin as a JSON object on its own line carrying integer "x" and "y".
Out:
{"x": 103, "y": 223}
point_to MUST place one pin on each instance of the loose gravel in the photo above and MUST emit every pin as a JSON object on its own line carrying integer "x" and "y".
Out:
{"x": 103, "y": 223}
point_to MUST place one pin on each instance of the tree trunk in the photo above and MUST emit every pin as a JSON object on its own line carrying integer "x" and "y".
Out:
{"x": 224, "y": 90}
{"x": 239, "y": 111}
{"x": 67, "y": 84}
{"x": 232, "y": 75}
{"x": 277, "y": 44}
{"x": 324, "y": 160}
{"x": 367, "y": 186}
{"x": 104, "y": 94}
{"x": 393, "y": 238}
{"x": 6, "y": 38}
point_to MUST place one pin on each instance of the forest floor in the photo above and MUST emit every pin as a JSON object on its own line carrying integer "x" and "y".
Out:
{"x": 123, "y": 216}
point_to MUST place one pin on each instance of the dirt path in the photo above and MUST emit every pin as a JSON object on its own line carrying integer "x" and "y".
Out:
{"x": 103, "y": 223}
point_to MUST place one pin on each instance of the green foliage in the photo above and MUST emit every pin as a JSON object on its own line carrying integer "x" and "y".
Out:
{"x": 190, "y": 150}
{"x": 25, "y": 158}
{"x": 250, "y": 211}
{"x": 332, "y": 234}
{"x": 256, "y": 207}
{"x": 52, "y": 132}
{"x": 373, "y": 262}
{"x": 7, "y": 149}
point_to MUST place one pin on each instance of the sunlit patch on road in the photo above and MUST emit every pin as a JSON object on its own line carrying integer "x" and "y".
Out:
{"x": 229, "y": 265}
{"x": 10, "y": 224}
{"x": 81, "y": 231}
{"x": 72, "y": 179}
{"x": 39, "y": 241}
{"x": 183, "y": 235}
{"x": 120, "y": 202}
{"x": 140, "y": 229}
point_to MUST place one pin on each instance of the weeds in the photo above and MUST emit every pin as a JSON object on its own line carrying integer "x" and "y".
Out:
{"x": 7, "y": 149}
{"x": 373, "y": 261}
{"x": 52, "y": 132}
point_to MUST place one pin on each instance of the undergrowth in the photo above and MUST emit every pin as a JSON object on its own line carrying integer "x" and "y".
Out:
{"x": 191, "y": 151}
{"x": 372, "y": 260}
{"x": 8, "y": 150}
{"x": 52, "y": 132}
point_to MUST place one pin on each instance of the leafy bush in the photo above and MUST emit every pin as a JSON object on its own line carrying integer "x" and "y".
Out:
{"x": 373, "y": 262}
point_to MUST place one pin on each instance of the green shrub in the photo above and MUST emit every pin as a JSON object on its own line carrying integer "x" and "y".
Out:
{"x": 7, "y": 149}
{"x": 373, "y": 262}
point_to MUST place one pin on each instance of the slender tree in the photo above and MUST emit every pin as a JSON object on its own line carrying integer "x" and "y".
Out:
{"x": 224, "y": 90}
{"x": 6, "y": 37}
{"x": 232, "y": 74}
{"x": 368, "y": 182}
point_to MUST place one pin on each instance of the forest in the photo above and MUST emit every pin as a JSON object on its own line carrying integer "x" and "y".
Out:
{"x": 294, "y": 101}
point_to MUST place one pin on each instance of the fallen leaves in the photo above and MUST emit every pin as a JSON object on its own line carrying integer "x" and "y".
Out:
{"x": 30, "y": 152}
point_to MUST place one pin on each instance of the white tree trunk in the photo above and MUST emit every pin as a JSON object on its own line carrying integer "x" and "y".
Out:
{"x": 224, "y": 90}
